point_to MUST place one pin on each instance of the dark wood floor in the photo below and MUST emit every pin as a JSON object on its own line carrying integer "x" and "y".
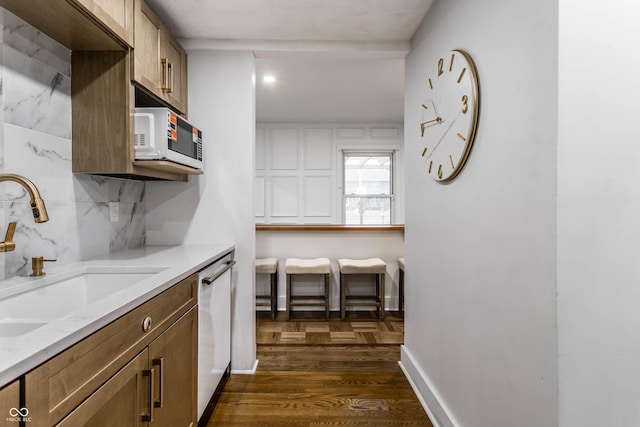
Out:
{"x": 359, "y": 328}
{"x": 330, "y": 384}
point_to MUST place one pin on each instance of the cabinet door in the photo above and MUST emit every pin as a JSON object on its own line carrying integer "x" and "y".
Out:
{"x": 174, "y": 62}
{"x": 124, "y": 400}
{"x": 147, "y": 69}
{"x": 10, "y": 402}
{"x": 115, "y": 15}
{"x": 174, "y": 358}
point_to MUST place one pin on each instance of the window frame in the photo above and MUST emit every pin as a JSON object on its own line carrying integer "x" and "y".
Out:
{"x": 371, "y": 152}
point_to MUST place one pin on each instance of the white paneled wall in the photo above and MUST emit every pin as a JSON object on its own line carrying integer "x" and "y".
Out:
{"x": 298, "y": 176}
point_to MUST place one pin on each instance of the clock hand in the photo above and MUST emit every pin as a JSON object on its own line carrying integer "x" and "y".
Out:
{"x": 443, "y": 135}
{"x": 435, "y": 110}
{"x": 437, "y": 119}
{"x": 422, "y": 125}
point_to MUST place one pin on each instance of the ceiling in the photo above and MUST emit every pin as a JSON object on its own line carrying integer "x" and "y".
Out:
{"x": 334, "y": 60}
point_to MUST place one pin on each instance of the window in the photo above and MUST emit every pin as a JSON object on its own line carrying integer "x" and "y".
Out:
{"x": 368, "y": 187}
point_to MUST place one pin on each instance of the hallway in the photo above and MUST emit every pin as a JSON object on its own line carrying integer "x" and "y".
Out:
{"x": 320, "y": 382}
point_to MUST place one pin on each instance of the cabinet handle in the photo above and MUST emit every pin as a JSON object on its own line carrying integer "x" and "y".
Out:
{"x": 209, "y": 280}
{"x": 149, "y": 373}
{"x": 165, "y": 74}
{"x": 170, "y": 70}
{"x": 160, "y": 363}
{"x": 146, "y": 324}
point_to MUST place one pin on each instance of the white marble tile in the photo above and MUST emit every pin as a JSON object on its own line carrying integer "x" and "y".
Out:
{"x": 35, "y": 96}
{"x": 129, "y": 231}
{"x": 1, "y": 144}
{"x": 35, "y": 141}
{"x": 32, "y": 42}
{"x": 75, "y": 231}
{"x": 91, "y": 187}
{"x": 126, "y": 190}
{"x": 42, "y": 158}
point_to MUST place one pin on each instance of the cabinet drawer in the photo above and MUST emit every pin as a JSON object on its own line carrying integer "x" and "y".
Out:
{"x": 60, "y": 384}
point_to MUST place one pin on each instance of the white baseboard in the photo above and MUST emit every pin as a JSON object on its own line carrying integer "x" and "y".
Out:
{"x": 429, "y": 397}
{"x": 246, "y": 371}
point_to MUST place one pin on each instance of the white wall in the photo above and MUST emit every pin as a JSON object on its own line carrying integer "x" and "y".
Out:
{"x": 387, "y": 245}
{"x": 218, "y": 206}
{"x": 598, "y": 212}
{"x": 480, "y": 330}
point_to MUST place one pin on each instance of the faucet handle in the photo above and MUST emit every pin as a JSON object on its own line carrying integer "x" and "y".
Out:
{"x": 37, "y": 266}
{"x": 9, "y": 245}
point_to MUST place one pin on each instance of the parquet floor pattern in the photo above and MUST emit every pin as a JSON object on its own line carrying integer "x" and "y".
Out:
{"x": 361, "y": 330}
{"x": 306, "y": 383}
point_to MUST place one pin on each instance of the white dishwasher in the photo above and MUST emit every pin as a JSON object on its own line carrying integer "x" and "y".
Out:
{"x": 214, "y": 326}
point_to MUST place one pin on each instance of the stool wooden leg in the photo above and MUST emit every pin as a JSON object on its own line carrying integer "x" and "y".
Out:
{"x": 326, "y": 296}
{"x": 343, "y": 299}
{"x": 381, "y": 293}
{"x": 288, "y": 307}
{"x": 274, "y": 295}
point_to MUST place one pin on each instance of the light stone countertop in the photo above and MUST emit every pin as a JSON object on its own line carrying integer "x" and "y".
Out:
{"x": 20, "y": 354}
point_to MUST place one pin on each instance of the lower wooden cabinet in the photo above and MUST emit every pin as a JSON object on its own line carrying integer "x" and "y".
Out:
{"x": 140, "y": 370}
{"x": 157, "y": 388}
{"x": 174, "y": 360}
{"x": 10, "y": 402}
{"x": 121, "y": 401}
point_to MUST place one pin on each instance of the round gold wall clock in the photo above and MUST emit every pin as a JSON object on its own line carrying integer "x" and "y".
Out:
{"x": 449, "y": 115}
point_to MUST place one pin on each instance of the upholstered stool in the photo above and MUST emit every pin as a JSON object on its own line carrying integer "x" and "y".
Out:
{"x": 362, "y": 266}
{"x": 268, "y": 266}
{"x": 401, "y": 285}
{"x": 308, "y": 266}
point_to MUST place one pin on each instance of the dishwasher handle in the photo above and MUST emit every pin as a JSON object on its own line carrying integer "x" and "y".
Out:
{"x": 209, "y": 280}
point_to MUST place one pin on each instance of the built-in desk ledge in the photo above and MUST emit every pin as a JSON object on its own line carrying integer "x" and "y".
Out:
{"x": 328, "y": 227}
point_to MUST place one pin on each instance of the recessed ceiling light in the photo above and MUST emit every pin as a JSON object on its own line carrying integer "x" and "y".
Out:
{"x": 269, "y": 79}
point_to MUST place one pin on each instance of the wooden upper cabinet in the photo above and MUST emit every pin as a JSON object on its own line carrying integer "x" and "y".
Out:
{"x": 79, "y": 24}
{"x": 116, "y": 15}
{"x": 147, "y": 69}
{"x": 160, "y": 62}
{"x": 173, "y": 60}
{"x": 114, "y": 43}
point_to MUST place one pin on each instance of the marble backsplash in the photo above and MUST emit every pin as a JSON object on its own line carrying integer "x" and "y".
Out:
{"x": 35, "y": 141}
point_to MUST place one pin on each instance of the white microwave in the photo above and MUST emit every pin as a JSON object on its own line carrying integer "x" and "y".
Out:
{"x": 161, "y": 134}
